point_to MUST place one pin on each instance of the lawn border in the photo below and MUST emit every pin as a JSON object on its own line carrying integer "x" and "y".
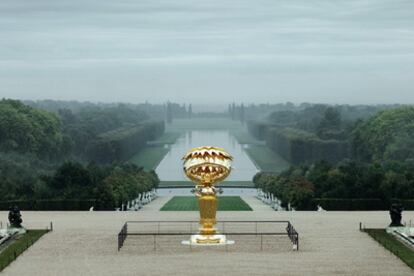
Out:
{"x": 246, "y": 206}
{"x": 392, "y": 244}
{"x": 19, "y": 246}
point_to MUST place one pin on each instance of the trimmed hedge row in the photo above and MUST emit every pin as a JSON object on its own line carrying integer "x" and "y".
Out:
{"x": 301, "y": 147}
{"x": 121, "y": 144}
{"x": 55, "y": 205}
{"x": 360, "y": 204}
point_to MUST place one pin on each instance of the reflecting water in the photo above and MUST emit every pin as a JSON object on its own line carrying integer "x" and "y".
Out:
{"x": 170, "y": 168}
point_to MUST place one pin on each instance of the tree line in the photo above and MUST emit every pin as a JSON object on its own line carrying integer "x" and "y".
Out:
{"x": 74, "y": 186}
{"x": 53, "y": 155}
{"x": 346, "y": 186}
{"x": 335, "y": 133}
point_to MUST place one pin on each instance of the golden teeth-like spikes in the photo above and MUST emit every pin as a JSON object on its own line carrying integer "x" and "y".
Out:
{"x": 207, "y": 163}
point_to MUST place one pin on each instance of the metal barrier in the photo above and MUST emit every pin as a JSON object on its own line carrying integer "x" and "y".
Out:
{"x": 183, "y": 228}
{"x": 122, "y": 235}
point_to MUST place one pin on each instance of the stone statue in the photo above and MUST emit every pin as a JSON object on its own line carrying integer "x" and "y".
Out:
{"x": 15, "y": 218}
{"x": 395, "y": 214}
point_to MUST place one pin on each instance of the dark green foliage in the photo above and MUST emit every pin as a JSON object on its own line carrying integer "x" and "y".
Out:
{"x": 330, "y": 125}
{"x": 347, "y": 186}
{"x": 301, "y": 147}
{"x": 77, "y": 187}
{"x": 121, "y": 144}
{"x": 24, "y": 129}
{"x": 289, "y": 187}
{"x": 109, "y": 186}
{"x": 386, "y": 136}
{"x": 102, "y": 134}
{"x": 310, "y": 133}
{"x": 34, "y": 143}
{"x": 93, "y": 133}
{"x": 19, "y": 175}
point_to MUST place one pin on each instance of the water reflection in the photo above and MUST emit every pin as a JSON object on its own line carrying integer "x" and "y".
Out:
{"x": 170, "y": 168}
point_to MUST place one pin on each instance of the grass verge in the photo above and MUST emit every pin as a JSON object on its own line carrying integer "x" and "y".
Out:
{"x": 190, "y": 203}
{"x": 244, "y": 137}
{"x": 266, "y": 159}
{"x": 17, "y": 247}
{"x": 149, "y": 157}
{"x": 393, "y": 245}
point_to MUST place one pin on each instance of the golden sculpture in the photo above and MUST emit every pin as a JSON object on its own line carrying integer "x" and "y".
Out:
{"x": 206, "y": 166}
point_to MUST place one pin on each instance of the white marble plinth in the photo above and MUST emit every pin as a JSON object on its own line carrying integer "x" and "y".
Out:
{"x": 207, "y": 240}
{"x": 404, "y": 234}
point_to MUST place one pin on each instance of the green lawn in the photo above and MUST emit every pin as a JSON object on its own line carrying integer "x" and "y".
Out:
{"x": 247, "y": 184}
{"x": 189, "y": 203}
{"x": 149, "y": 157}
{"x": 393, "y": 245}
{"x": 266, "y": 159}
{"x": 244, "y": 137}
{"x": 9, "y": 254}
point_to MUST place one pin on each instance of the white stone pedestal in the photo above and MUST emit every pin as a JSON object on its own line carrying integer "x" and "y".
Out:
{"x": 204, "y": 240}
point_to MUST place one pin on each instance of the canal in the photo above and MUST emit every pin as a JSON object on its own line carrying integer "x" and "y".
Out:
{"x": 170, "y": 168}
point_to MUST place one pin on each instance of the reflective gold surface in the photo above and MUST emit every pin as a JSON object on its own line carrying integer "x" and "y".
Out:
{"x": 206, "y": 166}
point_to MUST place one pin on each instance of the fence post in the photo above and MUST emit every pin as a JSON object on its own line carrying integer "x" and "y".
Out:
{"x": 51, "y": 226}
{"x": 297, "y": 241}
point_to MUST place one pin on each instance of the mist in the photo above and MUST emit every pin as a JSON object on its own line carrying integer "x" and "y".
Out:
{"x": 356, "y": 52}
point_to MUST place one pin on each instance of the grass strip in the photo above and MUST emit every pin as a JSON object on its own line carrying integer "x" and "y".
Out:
{"x": 266, "y": 159}
{"x": 393, "y": 245}
{"x": 244, "y": 137}
{"x": 18, "y": 246}
{"x": 149, "y": 157}
{"x": 190, "y": 203}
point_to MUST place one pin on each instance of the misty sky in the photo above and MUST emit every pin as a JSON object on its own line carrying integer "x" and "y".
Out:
{"x": 359, "y": 51}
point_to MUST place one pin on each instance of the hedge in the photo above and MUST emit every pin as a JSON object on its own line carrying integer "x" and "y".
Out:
{"x": 55, "y": 205}
{"x": 360, "y": 204}
{"x": 121, "y": 144}
{"x": 301, "y": 147}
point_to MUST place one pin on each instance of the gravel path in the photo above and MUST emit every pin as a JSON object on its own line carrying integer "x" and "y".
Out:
{"x": 85, "y": 243}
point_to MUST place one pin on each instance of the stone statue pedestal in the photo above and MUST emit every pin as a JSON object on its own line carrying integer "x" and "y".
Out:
{"x": 404, "y": 234}
{"x": 16, "y": 231}
{"x": 6, "y": 234}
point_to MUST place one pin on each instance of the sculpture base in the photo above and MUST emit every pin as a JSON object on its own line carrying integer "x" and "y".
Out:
{"x": 207, "y": 240}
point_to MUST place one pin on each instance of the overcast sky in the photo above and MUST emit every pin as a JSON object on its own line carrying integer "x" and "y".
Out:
{"x": 342, "y": 51}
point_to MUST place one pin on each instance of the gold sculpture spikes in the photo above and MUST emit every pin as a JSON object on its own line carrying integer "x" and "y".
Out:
{"x": 206, "y": 166}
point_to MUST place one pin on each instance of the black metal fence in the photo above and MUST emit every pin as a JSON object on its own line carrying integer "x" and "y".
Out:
{"x": 122, "y": 235}
{"x": 155, "y": 229}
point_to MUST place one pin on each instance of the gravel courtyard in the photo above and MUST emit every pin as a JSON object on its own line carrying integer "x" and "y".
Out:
{"x": 85, "y": 243}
